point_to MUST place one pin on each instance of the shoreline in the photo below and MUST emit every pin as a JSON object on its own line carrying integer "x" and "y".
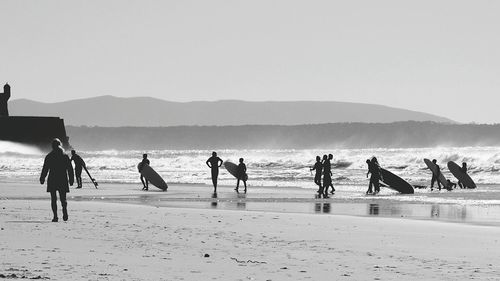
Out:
{"x": 272, "y": 200}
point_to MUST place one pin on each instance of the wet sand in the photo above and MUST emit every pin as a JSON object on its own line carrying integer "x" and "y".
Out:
{"x": 121, "y": 233}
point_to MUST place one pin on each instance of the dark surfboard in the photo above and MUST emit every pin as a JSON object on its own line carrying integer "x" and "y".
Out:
{"x": 396, "y": 183}
{"x": 233, "y": 169}
{"x": 464, "y": 178}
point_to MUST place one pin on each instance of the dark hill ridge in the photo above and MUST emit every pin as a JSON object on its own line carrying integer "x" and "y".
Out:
{"x": 110, "y": 111}
{"x": 339, "y": 135}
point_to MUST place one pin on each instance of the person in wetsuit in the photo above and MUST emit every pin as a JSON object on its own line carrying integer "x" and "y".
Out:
{"x": 145, "y": 161}
{"x": 327, "y": 175}
{"x": 60, "y": 172}
{"x": 370, "y": 184}
{"x": 435, "y": 177}
{"x": 464, "y": 170}
{"x": 214, "y": 163}
{"x": 241, "y": 175}
{"x": 79, "y": 165}
{"x": 318, "y": 167}
{"x": 376, "y": 175}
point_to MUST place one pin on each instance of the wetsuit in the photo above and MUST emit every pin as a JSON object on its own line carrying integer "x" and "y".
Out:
{"x": 240, "y": 172}
{"x": 144, "y": 181}
{"x": 79, "y": 165}
{"x": 214, "y": 166}
{"x": 327, "y": 176}
{"x": 435, "y": 177}
{"x": 318, "y": 167}
{"x": 375, "y": 177}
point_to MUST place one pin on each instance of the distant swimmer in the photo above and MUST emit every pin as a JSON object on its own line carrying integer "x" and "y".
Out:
{"x": 79, "y": 165}
{"x": 435, "y": 177}
{"x": 464, "y": 170}
{"x": 214, "y": 164}
{"x": 327, "y": 175}
{"x": 145, "y": 161}
{"x": 318, "y": 167}
{"x": 376, "y": 175}
{"x": 241, "y": 175}
{"x": 60, "y": 172}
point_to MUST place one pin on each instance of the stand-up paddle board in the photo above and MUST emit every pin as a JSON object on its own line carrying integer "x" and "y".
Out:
{"x": 91, "y": 178}
{"x": 233, "y": 170}
{"x": 396, "y": 183}
{"x": 433, "y": 168}
{"x": 152, "y": 176}
{"x": 464, "y": 178}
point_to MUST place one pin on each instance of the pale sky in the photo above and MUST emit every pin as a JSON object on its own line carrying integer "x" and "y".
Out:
{"x": 440, "y": 57}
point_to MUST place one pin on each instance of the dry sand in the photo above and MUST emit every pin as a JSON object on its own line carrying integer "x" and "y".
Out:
{"x": 110, "y": 241}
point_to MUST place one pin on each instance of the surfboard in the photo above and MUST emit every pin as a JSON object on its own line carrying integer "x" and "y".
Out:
{"x": 152, "y": 176}
{"x": 396, "y": 183}
{"x": 456, "y": 170}
{"x": 433, "y": 168}
{"x": 233, "y": 170}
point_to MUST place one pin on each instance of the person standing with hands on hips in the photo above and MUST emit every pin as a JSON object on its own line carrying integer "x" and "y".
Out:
{"x": 214, "y": 164}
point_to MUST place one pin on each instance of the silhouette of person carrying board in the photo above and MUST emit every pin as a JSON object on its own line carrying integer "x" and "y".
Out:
{"x": 4, "y": 98}
{"x": 376, "y": 175}
{"x": 145, "y": 161}
{"x": 241, "y": 172}
{"x": 464, "y": 170}
{"x": 435, "y": 177}
{"x": 79, "y": 165}
{"x": 214, "y": 163}
{"x": 60, "y": 172}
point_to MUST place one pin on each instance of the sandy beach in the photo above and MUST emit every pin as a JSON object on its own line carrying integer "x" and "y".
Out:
{"x": 109, "y": 240}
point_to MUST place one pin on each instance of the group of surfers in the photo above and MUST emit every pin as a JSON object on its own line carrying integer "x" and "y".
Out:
{"x": 57, "y": 166}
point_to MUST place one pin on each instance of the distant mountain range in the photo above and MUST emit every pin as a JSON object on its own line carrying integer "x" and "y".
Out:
{"x": 110, "y": 111}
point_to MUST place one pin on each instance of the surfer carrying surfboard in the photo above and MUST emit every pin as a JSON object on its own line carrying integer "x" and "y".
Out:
{"x": 464, "y": 170}
{"x": 376, "y": 176}
{"x": 241, "y": 172}
{"x": 214, "y": 164}
{"x": 145, "y": 161}
{"x": 79, "y": 165}
{"x": 435, "y": 176}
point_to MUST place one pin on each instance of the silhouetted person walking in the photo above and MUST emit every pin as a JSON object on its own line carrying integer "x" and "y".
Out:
{"x": 214, "y": 163}
{"x": 435, "y": 176}
{"x": 241, "y": 175}
{"x": 330, "y": 158}
{"x": 145, "y": 161}
{"x": 327, "y": 175}
{"x": 58, "y": 166}
{"x": 79, "y": 165}
{"x": 4, "y": 98}
{"x": 318, "y": 167}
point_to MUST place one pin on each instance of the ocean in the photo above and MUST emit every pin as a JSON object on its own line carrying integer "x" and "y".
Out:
{"x": 276, "y": 168}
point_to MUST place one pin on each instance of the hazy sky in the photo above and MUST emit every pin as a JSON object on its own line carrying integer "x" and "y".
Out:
{"x": 441, "y": 57}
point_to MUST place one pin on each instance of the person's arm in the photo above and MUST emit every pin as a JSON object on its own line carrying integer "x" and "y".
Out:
{"x": 45, "y": 170}
{"x": 208, "y": 163}
{"x": 83, "y": 163}
{"x": 69, "y": 168}
{"x": 220, "y": 160}
{"x": 244, "y": 168}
